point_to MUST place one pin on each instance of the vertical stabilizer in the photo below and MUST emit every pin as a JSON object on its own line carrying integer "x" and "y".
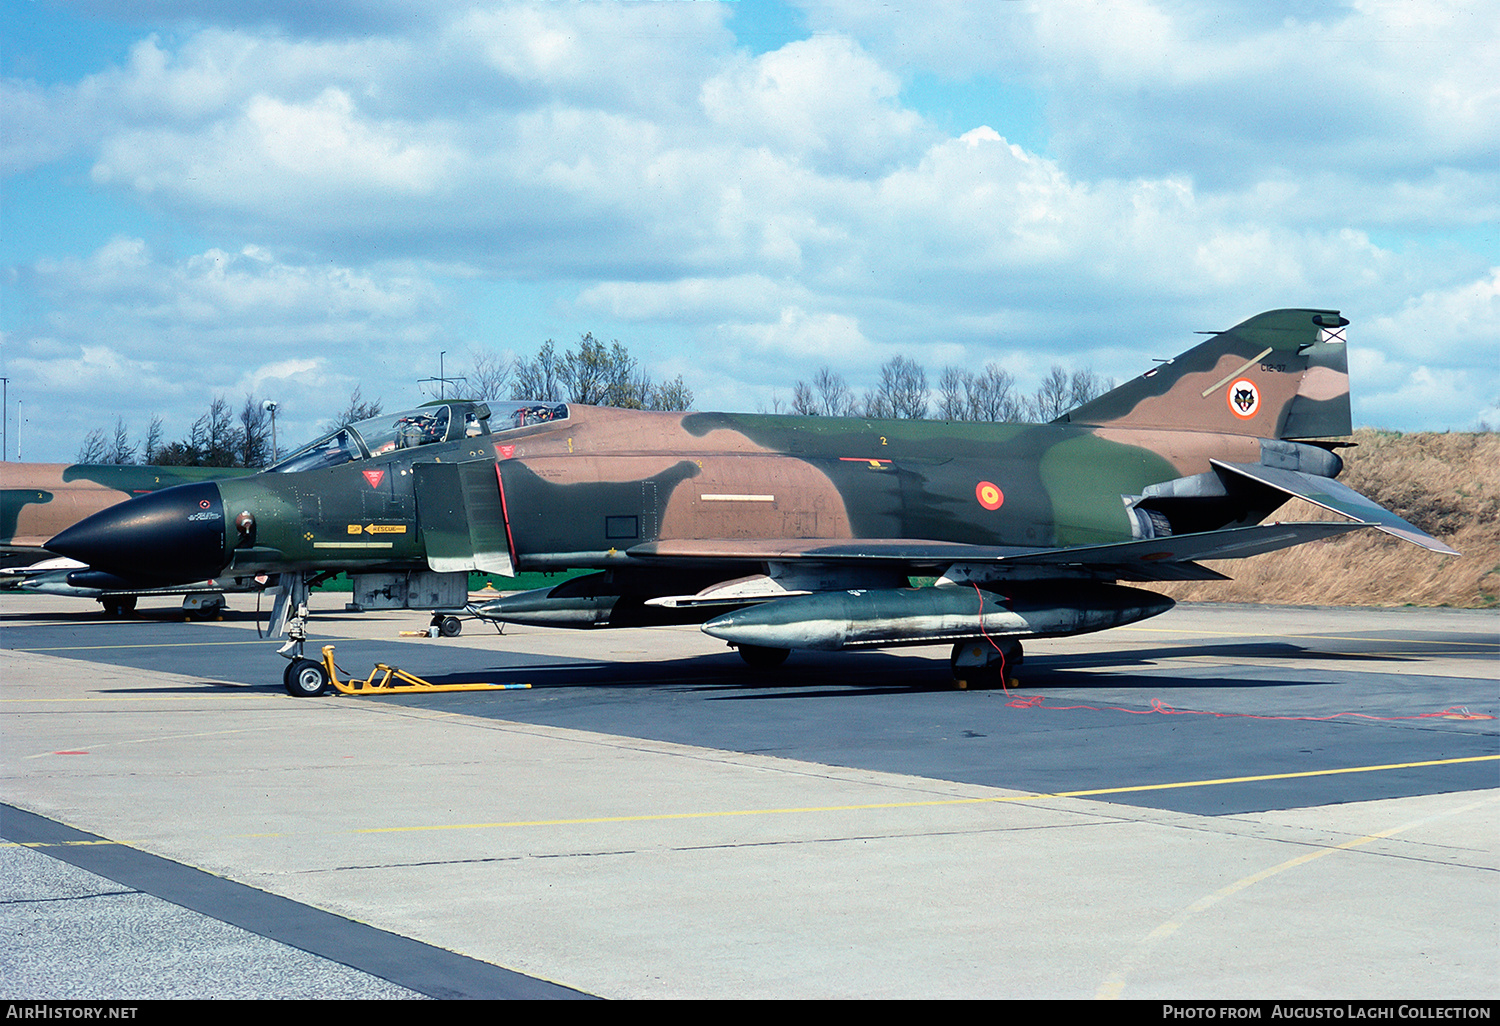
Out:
{"x": 1280, "y": 374}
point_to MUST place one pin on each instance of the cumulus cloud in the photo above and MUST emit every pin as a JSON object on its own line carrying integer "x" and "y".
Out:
{"x": 756, "y": 212}
{"x": 180, "y": 331}
{"x": 822, "y": 101}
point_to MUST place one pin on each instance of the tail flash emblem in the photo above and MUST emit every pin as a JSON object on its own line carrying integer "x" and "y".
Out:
{"x": 1244, "y": 399}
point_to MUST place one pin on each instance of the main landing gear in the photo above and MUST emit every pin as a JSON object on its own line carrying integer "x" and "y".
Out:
{"x": 762, "y": 658}
{"x": 986, "y": 663}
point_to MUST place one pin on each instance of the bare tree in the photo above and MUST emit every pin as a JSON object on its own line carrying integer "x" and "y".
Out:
{"x": 213, "y": 436}
{"x": 152, "y": 445}
{"x": 94, "y": 448}
{"x": 254, "y": 434}
{"x": 121, "y": 452}
{"x": 490, "y": 375}
{"x": 992, "y": 397}
{"x": 954, "y": 388}
{"x": 835, "y": 398}
{"x": 537, "y": 378}
{"x": 804, "y": 403}
{"x": 902, "y": 392}
{"x": 358, "y": 409}
{"x": 1051, "y": 399}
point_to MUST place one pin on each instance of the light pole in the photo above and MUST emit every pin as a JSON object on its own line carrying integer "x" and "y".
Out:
{"x": 270, "y": 407}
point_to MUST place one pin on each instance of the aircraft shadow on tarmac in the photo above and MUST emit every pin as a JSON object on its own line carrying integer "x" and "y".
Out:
{"x": 871, "y": 674}
{"x": 830, "y": 674}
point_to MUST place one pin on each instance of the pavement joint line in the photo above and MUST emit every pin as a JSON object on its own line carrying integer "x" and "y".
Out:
{"x": 1295, "y": 637}
{"x": 1111, "y": 988}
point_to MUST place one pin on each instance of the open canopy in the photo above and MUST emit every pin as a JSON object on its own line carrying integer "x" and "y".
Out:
{"x": 425, "y": 425}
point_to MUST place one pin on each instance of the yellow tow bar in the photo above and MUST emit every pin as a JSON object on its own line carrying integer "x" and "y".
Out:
{"x": 379, "y": 681}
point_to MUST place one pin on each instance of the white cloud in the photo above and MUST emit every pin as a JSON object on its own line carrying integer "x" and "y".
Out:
{"x": 821, "y": 101}
{"x": 149, "y": 336}
{"x": 764, "y": 214}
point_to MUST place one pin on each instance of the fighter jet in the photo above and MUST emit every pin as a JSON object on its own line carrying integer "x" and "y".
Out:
{"x": 778, "y": 533}
{"x": 37, "y": 500}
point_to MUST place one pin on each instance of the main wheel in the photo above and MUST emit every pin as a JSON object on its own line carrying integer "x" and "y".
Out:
{"x": 119, "y": 607}
{"x": 304, "y": 678}
{"x": 986, "y": 664}
{"x": 764, "y": 658}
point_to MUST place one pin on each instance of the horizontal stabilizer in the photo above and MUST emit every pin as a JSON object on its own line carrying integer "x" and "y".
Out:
{"x": 1341, "y": 499}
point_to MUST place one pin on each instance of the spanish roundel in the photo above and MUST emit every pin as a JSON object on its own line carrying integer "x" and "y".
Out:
{"x": 989, "y": 495}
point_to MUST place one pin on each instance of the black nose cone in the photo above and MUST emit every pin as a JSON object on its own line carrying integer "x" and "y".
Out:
{"x": 172, "y": 536}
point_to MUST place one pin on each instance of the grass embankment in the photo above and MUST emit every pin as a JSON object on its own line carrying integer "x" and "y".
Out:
{"x": 1446, "y": 484}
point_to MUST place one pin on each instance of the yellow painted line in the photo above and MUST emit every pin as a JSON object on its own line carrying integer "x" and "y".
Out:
{"x": 667, "y": 816}
{"x": 649, "y": 817}
{"x": 175, "y": 644}
{"x": 241, "y": 691}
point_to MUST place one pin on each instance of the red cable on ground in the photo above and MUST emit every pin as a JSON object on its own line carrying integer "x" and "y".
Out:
{"x": 1158, "y": 706}
{"x": 1004, "y": 685}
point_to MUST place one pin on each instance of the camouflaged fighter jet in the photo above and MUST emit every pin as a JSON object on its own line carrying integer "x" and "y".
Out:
{"x": 37, "y": 500}
{"x": 776, "y": 533}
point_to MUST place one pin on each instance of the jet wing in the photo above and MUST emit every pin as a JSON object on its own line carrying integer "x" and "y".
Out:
{"x": 1230, "y": 543}
{"x": 1341, "y": 499}
{"x": 1154, "y": 559}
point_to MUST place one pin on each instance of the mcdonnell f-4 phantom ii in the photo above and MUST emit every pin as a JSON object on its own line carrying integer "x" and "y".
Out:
{"x": 778, "y": 533}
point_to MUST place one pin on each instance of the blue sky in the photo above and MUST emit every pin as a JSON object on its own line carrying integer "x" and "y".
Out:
{"x": 293, "y": 199}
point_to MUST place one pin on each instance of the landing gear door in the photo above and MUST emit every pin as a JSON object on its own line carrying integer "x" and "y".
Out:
{"x": 461, "y": 519}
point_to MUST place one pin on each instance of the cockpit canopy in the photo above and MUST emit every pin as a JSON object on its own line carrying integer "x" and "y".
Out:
{"x": 425, "y": 425}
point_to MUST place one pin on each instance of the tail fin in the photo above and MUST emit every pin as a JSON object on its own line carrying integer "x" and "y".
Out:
{"x": 1280, "y": 374}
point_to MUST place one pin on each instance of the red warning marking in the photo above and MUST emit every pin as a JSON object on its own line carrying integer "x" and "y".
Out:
{"x": 989, "y": 495}
{"x": 505, "y": 451}
{"x": 204, "y": 504}
{"x": 374, "y": 477}
{"x": 70, "y": 753}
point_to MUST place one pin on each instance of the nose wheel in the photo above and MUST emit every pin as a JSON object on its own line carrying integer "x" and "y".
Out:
{"x": 304, "y": 678}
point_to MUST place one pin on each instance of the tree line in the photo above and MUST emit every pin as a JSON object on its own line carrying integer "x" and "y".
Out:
{"x": 592, "y": 374}
{"x": 902, "y": 393}
{"x": 596, "y": 374}
{"x": 219, "y": 438}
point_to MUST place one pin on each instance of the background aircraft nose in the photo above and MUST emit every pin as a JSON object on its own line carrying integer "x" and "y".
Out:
{"x": 172, "y": 536}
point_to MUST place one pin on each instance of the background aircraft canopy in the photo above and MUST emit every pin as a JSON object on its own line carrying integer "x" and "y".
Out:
{"x": 440, "y": 422}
